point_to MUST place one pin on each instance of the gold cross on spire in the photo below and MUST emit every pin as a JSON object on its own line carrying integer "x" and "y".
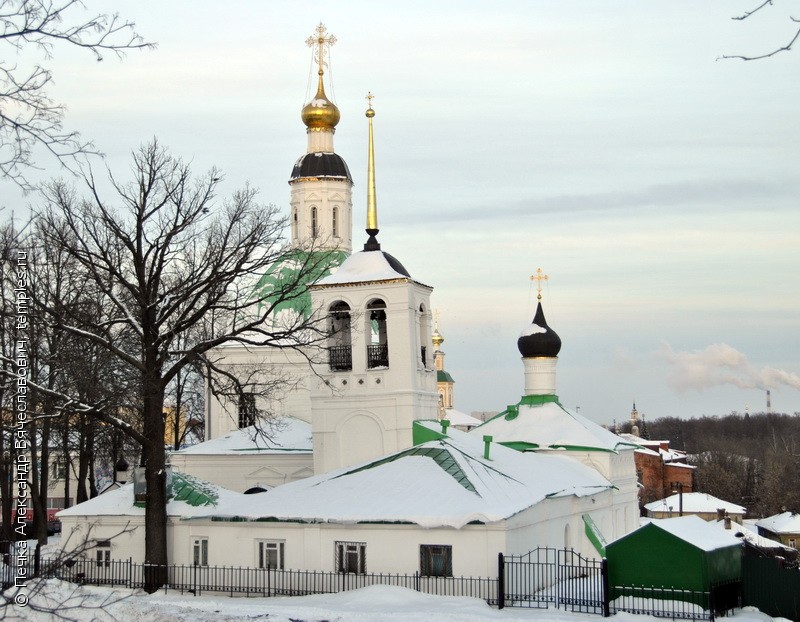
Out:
{"x": 539, "y": 277}
{"x": 369, "y": 99}
{"x": 436, "y": 315}
{"x": 319, "y": 42}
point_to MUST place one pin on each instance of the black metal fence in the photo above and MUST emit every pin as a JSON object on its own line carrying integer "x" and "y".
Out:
{"x": 248, "y": 581}
{"x": 542, "y": 578}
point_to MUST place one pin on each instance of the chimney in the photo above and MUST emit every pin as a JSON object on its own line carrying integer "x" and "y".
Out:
{"x": 445, "y": 424}
{"x": 487, "y": 441}
{"x": 720, "y": 513}
{"x": 727, "y": 522}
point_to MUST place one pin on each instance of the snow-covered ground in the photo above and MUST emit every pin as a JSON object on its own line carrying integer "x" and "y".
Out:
{"x": 371, "y": 604}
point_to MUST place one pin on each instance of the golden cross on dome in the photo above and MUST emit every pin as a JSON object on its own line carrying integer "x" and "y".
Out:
{"x": 369, "y": 99}
{"x": 436, "y": 315}
{"x": 319, "y": 43}
{"x": 539, "y": 277}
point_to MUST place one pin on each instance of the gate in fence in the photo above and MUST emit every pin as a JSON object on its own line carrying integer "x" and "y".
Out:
{"x": 547, "y": 577}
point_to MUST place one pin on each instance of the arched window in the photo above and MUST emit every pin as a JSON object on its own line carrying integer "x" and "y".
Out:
{"x": 377, "y": 342}
{"x": 335, "y": 221}
{"x": 424, "y": 335}
{"x": 340, "y": 349}
{"x": 313, "y": 222}
{"x": 294, "y": 224}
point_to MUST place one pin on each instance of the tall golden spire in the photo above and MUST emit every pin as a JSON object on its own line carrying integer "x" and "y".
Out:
{"x": 372, "y": 201}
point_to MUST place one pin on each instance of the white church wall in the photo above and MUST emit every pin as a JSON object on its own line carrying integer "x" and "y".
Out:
{"x": 388, "y": 548}
{"x": 125, "y": 534}
{"x": 242, "y": 472}
{"x": 291, "y": 396}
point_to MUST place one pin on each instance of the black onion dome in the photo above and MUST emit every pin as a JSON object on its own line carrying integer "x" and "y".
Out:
{"x": 539, "y": 339}
{"x": 321, "y": 165}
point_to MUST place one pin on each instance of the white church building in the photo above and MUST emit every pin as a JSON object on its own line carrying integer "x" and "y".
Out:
{"x": 363, "y": 472}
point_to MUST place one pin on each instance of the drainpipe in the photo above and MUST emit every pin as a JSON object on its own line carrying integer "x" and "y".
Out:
{"x": 487, "y": 441}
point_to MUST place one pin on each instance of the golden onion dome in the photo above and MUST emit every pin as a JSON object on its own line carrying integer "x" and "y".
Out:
{"x": 320, "y": 112}
{"x": 437, "y": 338}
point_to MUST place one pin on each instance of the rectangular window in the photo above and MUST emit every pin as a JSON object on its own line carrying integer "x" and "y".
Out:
{"x": 247, "y": 410}
{"x": 270, "y": 554}
{"x": 793, "y": 542}
{"x": 58, "y": 470}
{"x": 351, "y": 557}
{"x": 436, "y": 560}
{"x": 103, "y": 554}
{"x": 200, "y": 551}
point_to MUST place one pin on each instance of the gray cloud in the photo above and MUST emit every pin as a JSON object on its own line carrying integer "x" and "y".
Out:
{"x": 720, "y": 364}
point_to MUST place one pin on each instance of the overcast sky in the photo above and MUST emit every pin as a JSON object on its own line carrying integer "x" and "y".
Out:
{"x": 602, "y": 141}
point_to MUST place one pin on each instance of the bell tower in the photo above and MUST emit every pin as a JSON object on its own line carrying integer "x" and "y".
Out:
{"x": 377, "y": 374}
{"x": 321, "y": 185}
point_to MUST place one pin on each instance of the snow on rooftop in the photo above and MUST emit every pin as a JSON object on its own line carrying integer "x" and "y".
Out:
{"x": 456, "y": 417}
{"x": 786, "y": 522}
{"x": 460, "y": 486}
{"x": 751, "y": 536}
{"x": 697, "y": 532}
{"x": 549, "y": 424}
{"x": 289, "y": 435}
{"x": 694, "y": 502}
{"x": 363, "y": 267}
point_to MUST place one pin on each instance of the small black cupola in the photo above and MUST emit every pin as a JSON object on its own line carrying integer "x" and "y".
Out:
{"x": 538, "y": 339}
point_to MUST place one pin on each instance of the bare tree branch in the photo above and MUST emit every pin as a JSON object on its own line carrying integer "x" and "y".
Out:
{"x": 29, "y": 119}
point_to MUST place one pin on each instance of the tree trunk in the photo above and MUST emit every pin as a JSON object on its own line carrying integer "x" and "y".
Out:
{"x": 155, "y": 519}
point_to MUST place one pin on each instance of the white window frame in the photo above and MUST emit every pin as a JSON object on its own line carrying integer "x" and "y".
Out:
{"x": 263, "y": 547}
{"x": 343, "y": 551}
{"x": 199, "y": 551}
{"x": 103, "y": 554}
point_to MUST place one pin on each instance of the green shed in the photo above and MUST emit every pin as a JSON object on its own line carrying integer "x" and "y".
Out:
{"x": 685, "y": 553}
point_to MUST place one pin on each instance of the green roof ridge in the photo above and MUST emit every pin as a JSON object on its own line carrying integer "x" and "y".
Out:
{"x": 440, "y": 455}
{"x": 512, "y": 410}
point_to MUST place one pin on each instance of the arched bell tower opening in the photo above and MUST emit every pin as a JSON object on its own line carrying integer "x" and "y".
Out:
{"x": 378, "y": 340}
{"x": 340, "y": 338}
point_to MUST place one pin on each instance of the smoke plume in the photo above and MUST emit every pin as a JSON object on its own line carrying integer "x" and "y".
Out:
{"x": 721, "y": 364}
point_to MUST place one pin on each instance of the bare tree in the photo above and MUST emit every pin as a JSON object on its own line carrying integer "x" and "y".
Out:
{"x": 29, "y": 118}
{"x": 168, "y": 263}
{"x": 784, "y": 48}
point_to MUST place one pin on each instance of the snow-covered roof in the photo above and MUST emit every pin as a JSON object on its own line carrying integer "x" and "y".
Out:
{"x": 286, "y": 435}
{"x": 441, "y": 483}
{"x": 786, "y": 522}
{"x": 456, "y": 417}
{"x": 694, "y": 502}
{"x": 541, "y": 422}
{"x": 190, "y": 496}
{"x": 752, "y": 537}
{"x": 366, "y": 267}
{"x": 694, "y": 530}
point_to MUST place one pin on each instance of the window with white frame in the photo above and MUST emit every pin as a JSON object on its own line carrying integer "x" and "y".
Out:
{"x": 103, "y": 554}
{"x": 351, "y": 557}
{"x": 436, "y": 560}
{"x": 793, "y": 542}
{"x": 200, "y": 551}
{"x": 270, "y": 554}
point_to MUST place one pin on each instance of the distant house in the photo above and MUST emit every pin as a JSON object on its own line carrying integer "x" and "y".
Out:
{"x": 783, "y": 528}
{"x": 698, "y": 504}
{"x": 661, "y": 469}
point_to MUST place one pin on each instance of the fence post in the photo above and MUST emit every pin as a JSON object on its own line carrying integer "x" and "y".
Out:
{"x": 501, "y": 581}
{"x": 416, "y": 580}
{"x": 711, "y": 604}
{"x": 606, "y": 595}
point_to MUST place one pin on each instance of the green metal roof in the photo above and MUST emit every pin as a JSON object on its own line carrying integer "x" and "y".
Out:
{"x": 443, "y": 376}
{"x": 191, "y": 490}
{"x": 284, "y": 273}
